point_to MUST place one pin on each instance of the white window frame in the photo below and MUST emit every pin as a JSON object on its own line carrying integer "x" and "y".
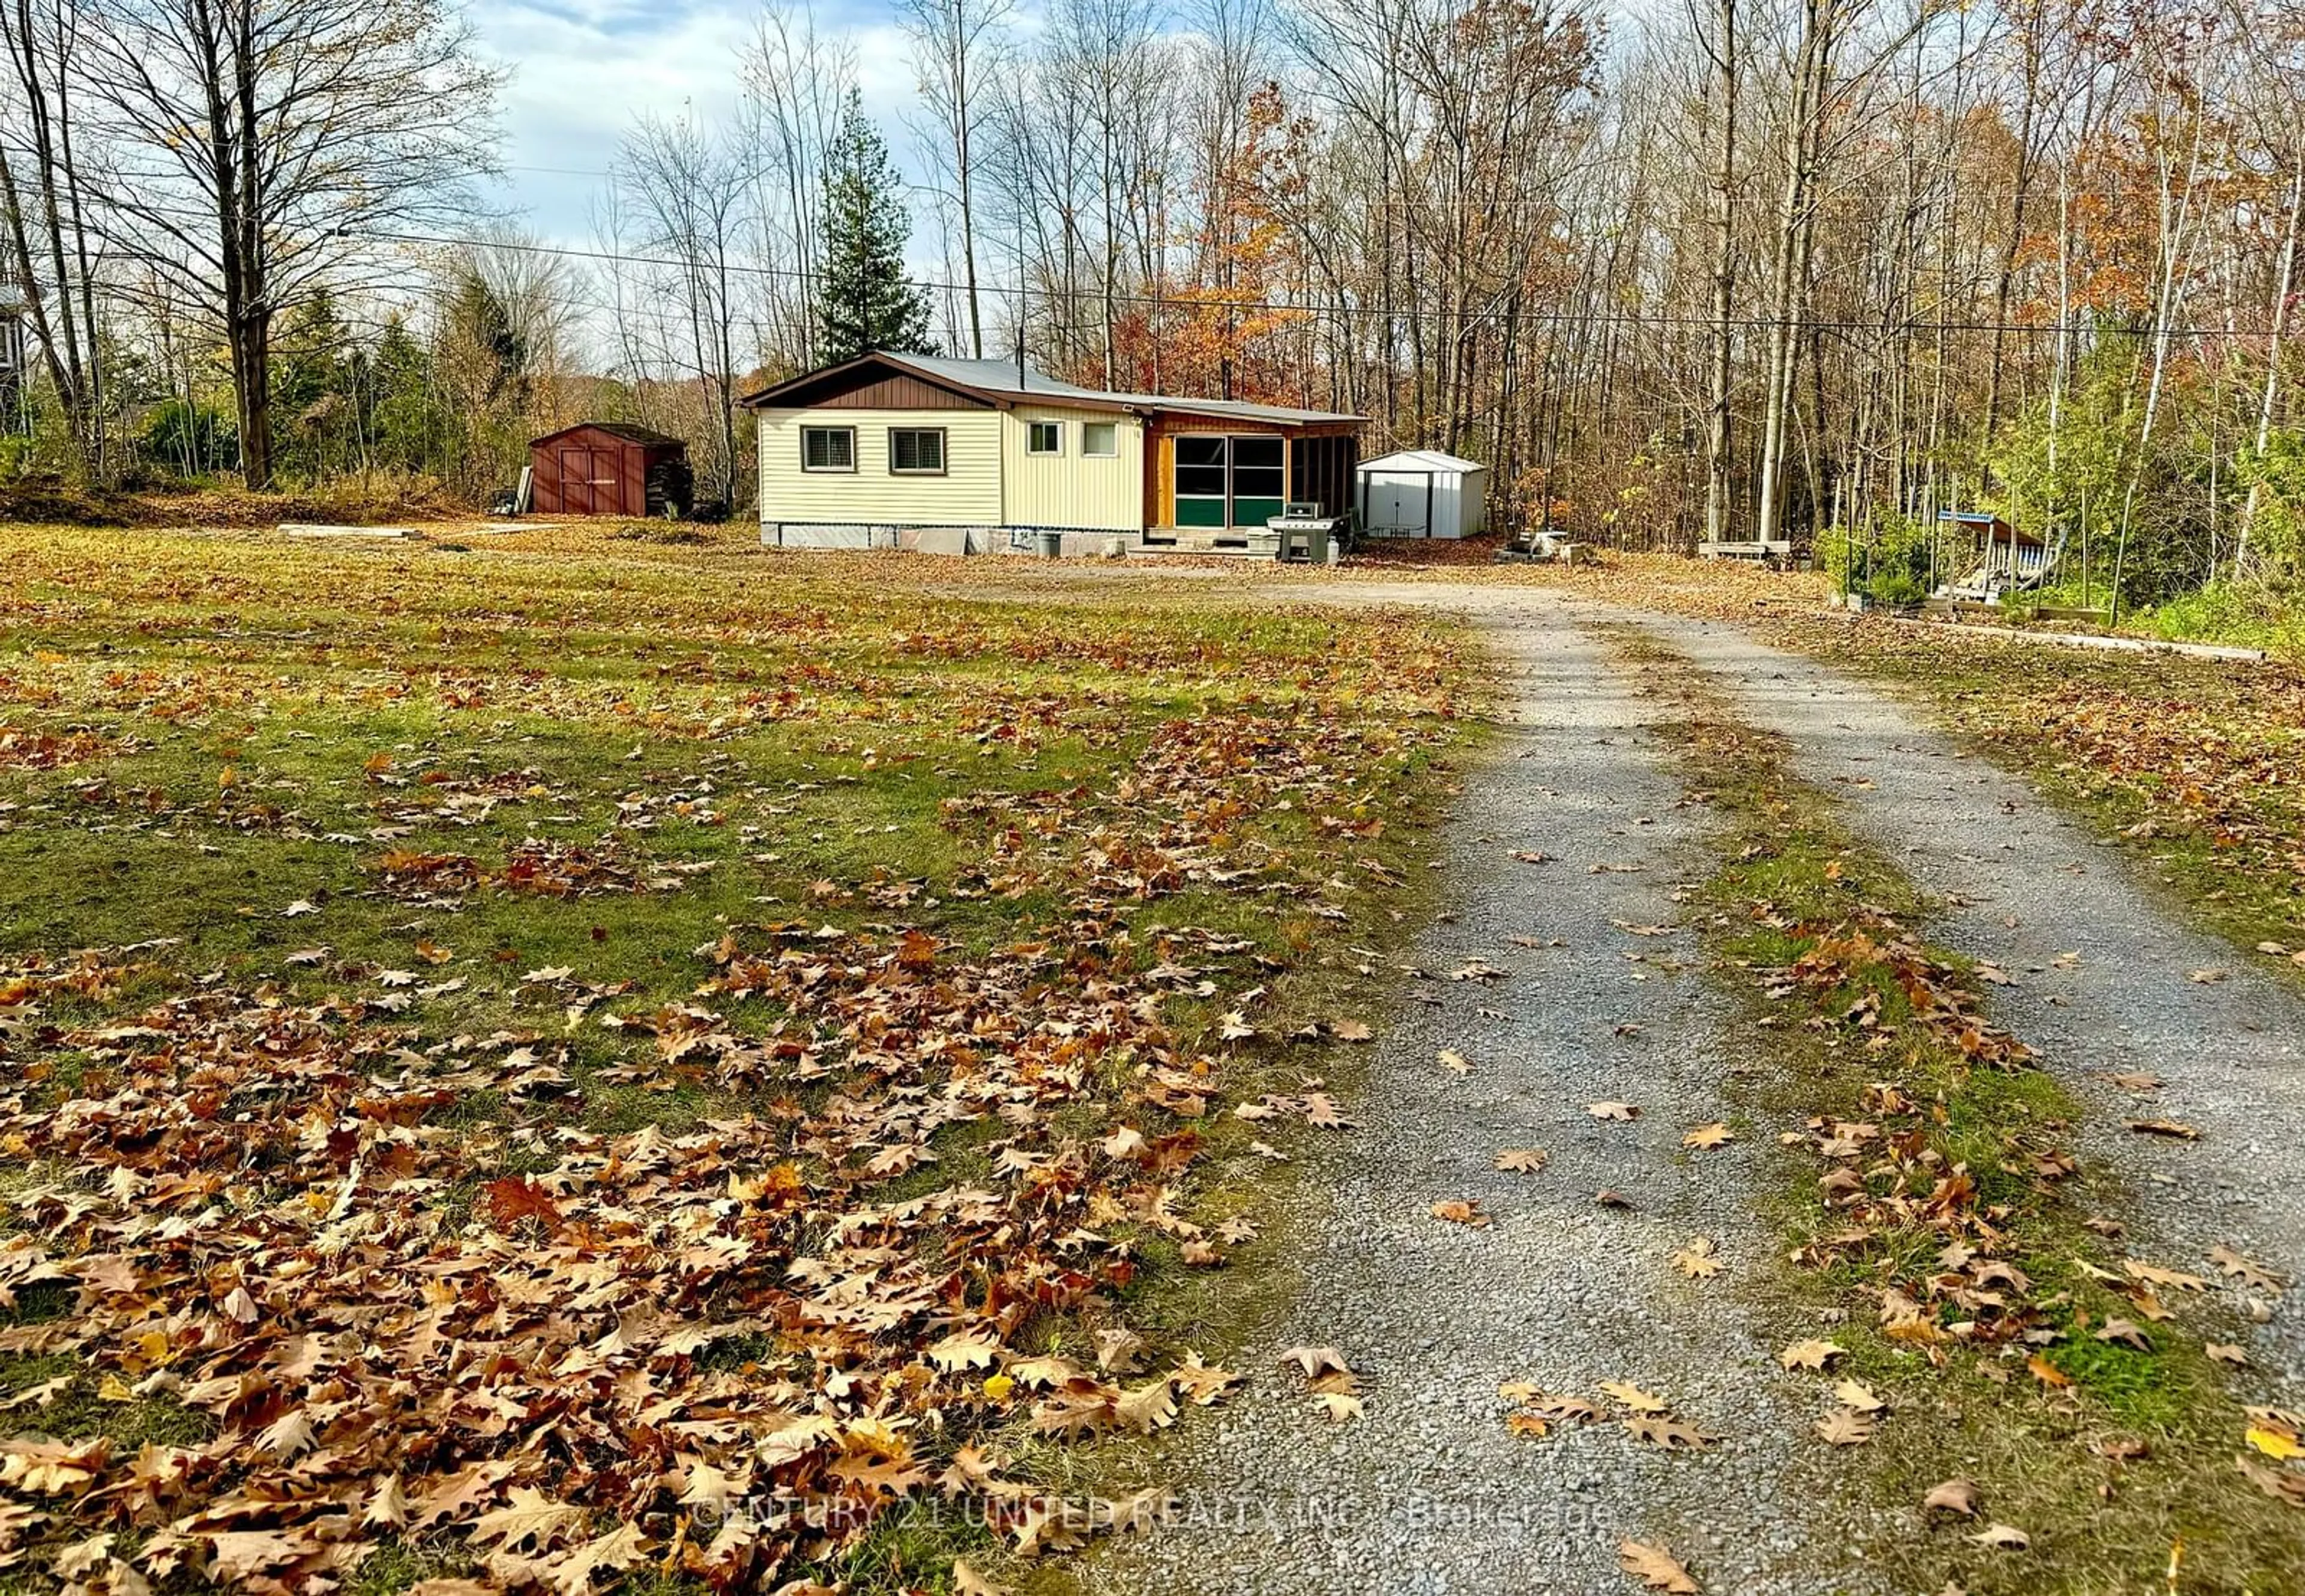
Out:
{"x": 943, "y": 456}
{"x": 1055, "y": 430}
{"x": 1112, "y": 429}
{"x": 848, "y": 470}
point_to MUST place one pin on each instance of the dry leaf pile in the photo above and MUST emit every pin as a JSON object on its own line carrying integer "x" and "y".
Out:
{"x": 635, "y": 1330}
{"x": 388, "y": 1279}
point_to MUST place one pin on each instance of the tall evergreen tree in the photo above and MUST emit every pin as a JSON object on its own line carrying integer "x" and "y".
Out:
{"x": 865, "y": 301}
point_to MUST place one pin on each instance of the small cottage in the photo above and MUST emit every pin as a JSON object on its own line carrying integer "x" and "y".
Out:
{"x": 609, "y": 468}
{"x": 959, "y": 457}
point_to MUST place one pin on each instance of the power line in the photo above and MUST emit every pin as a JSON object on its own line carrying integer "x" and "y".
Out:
{"x": 1189, "y": 300}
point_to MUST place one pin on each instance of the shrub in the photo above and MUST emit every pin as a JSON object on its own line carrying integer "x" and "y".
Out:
{"x": 1889, "y": 561}
{"x": 193, "y": 441}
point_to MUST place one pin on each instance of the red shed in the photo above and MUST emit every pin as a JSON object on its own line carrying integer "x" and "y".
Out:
{"x": 609, "y": 468}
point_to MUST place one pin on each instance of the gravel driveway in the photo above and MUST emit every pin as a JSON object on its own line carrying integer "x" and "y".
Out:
{"x": 1429, "y": 1492}
{"x": 2104, "y": 979}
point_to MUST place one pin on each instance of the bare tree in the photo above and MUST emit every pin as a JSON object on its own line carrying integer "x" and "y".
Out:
{"x": 266, "y": 148}
{"x": 957, "y": 46}
{"x": 796, "y": 80}
{"x": 1721, "y": 45}
{"x": 51, "y": 252}
{"x": 680, "y": 185}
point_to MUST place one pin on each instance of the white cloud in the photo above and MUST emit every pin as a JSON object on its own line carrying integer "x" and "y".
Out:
{"x": 584, "y": 69}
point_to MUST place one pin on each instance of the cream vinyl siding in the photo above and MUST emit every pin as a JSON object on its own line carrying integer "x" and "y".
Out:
{"x": 1072, "y": 488}
{"x": 968, "y": 494}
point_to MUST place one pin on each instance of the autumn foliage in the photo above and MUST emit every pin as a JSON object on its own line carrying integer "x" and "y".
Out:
{"x": 804, "y": 1180}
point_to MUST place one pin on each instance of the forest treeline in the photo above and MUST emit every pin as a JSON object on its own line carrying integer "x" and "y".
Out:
{"x": 1813, "y": 270}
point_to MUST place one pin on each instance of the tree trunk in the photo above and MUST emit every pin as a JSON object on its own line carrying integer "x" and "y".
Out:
{"x": 1717, "y": 438}
{"x": 2285, "y": 278}
{"x": 1789, "y": 265}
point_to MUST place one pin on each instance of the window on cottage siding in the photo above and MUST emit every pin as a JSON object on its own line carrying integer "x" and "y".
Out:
{"x": 1044, "y": 438}
{"x": 1100, "y": 440}
{"x": 916, "y": 450}
{"x": 828, "y": 448}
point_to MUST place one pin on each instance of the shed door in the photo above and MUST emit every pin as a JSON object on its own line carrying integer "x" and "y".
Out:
{"x": 591, "y": 483}
{"x": 1400, "y": 506}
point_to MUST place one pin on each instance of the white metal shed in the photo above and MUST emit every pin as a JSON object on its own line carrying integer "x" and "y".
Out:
{"x": 1423, "y": 493}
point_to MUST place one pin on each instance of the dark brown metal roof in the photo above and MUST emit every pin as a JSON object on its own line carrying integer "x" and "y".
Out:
{"x": 1002, "y": 384}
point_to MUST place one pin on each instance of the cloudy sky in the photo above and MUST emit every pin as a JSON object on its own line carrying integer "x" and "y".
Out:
{"x": 584, "y": 69}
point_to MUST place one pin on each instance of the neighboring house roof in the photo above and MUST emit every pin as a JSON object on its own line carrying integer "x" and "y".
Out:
{"x": 1981, "y": 520}
{"x": 1421, "y": 460}
{"x": 631, "y": 432}
{"x": 1005, "y": 382}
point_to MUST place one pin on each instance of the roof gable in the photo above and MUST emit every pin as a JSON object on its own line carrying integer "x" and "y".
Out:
{"x": 1422, "y": 459}
{"x": 1003, "y": 384}
{"x": 628, "y": 431}
{"x": 878, "y": 381}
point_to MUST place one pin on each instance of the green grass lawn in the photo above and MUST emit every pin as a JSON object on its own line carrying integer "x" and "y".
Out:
{"x": 595, "y": 1058}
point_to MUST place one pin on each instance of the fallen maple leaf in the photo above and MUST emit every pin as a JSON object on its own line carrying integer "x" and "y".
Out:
{"x": 1458, "y": 1211}
{"x": 1317, "y": 1361}
{"x": 619, "y": 1549}
{"x": 967, "y": 1581}
{"x": 1633, "y": 1397}
{"x": 2153, "y": 1275}
{"x": 1203, "y": 1383}
{"x": 1349, "y": 1030}
{"x": 1118, "y": 1349}
{"x": 513, "y": 1199}
{"x": 2002, "y": 1537}
{"x": 1811, "y": 1355}
{"x": 2238, "y": 1267}
{"x": 2274, "y": 1441}
{"x": 1656, "y": 1568}
{"x": 1340, "y": 1406}
{"x": 2051, "y": 1377}
{"x": 1148, "y": 1407}
{"x": 2172, "y": 1129}
{"x": 1856, "y": 1394}
{"x": 964, "y": 1352}
{"x": 2280, "y": 1484}
{"x": 388, "y": 1505}
{"x": 1845, "y": 1427}
{"x": 1452, "y": 1060}
{"x": 1697, "y": 1260}
{"x": 1708, "y": 1136}
{"x": 1521, "y": 1160}
{"x": 1662, "y": 1430}
{"x": 1612, "y": 1110}
{"x": 529, "y": 1518}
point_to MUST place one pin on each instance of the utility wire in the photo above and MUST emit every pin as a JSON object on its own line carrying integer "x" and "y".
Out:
{"x": 1186, "y": 300}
